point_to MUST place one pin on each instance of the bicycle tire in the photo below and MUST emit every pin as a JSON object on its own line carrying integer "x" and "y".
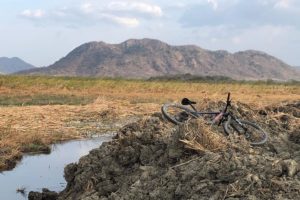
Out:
{"x": 263, "y": 136}
{"x": 171, "y": 117}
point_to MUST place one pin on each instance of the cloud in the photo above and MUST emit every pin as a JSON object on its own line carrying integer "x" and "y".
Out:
{"x": 124, "y": 21}
{"x": 214, "y": 3}
{"x": 93, "y": 12}
{"x": 140, "y": 7}
{"x": 243, "y": 14}
{"x": 268, "y": 25}
{"x": 33, "y": 14}
{"x": 283, "y": 4}
{"x": 87, "y": 8}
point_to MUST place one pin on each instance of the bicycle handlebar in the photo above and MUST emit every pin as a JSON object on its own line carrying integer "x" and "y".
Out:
{"x": 227, "y": 102}
{"x": 228, "y": 97}
{"x": 221, "y": 114}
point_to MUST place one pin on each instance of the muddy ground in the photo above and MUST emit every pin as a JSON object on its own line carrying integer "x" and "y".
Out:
{"x": 148, "y": 160}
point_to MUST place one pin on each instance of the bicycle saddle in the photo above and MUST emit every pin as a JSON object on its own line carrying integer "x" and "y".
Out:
{"x": 186, "y": 101}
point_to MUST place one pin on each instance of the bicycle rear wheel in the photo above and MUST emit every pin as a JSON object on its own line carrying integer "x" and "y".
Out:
{"x": 252, "y": 132}
{"x": 177, "y": 114}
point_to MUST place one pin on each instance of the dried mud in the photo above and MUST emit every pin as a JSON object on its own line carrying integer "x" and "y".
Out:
{"x": 148, "y": 160}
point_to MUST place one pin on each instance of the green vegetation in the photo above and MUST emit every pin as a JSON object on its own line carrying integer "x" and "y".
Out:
{"x": 44, "y": 99}
{"x": 35, "y": 148}
{"x": 219, "y": 79}
{"x": 42, "y": 90}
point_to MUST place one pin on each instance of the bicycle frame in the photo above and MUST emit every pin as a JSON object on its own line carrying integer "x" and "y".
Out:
{"x": 178, "y": 114}
{"x": 219, "y": 115}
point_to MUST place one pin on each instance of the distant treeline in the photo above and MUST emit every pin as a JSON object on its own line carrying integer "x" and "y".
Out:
{"x": 217, "y": 79}
{"x": 80, "y": 81}
{"x": 190, "y": 77}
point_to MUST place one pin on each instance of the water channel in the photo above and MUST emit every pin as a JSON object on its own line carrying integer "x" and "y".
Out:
{"x": 35, "y": 172}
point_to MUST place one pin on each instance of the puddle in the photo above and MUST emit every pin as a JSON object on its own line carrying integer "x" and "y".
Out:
{"x": 35, "y": 172}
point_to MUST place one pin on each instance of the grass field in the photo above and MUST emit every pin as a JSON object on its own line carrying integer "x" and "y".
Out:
{"x": 37, "y": 111}
{"x": 18, "y": 90}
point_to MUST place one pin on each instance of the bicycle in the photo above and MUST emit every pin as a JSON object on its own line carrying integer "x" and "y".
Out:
{"x": 179, "y": 114}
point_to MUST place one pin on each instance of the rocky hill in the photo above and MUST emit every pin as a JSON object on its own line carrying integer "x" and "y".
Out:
{"x": 12, "y": 65}
{"x": 149, "y": 58}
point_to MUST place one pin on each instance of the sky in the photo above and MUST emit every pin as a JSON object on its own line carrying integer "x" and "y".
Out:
{"x": 43, "y": 31}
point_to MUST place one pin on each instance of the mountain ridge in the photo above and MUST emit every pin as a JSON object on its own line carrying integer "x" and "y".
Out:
{"x": 144, "y": 58}
{"x": 13, "y": 65}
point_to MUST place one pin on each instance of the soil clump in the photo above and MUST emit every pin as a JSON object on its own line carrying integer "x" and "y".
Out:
{"x": 152, "y": 159}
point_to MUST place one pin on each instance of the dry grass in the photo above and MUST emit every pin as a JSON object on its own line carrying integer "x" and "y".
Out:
{"x": 200, "y": 137}
{"x": 137, "y": 91}
{"x": 25, "y": 127}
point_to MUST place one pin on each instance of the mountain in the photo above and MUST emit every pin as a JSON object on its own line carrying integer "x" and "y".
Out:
{"x": 12, "y": 65}
{"x": 149, "y": 58}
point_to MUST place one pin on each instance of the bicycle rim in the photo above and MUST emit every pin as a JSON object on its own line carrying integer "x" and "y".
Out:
{"x": 177, "y": 114}
{"x": 252, "y": 132}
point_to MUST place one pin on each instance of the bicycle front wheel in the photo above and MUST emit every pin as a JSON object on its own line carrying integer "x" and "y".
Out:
{"x": 252, "y": 132}
{"x": 177, "y": 114}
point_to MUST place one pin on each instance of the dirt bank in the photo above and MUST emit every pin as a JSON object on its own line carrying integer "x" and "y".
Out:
{"x": 148, "y": 160}
{"x": 31, "y": 129}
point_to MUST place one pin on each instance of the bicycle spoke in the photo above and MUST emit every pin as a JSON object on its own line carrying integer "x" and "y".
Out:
{"x": 177, "y": 113}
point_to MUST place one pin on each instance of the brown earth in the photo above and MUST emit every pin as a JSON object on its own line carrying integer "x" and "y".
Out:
{"x": 148, "y": 160}
{"x": 38, "y": 111}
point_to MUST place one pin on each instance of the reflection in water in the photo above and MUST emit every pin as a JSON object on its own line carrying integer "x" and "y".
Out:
{"x": 44, "y": 171}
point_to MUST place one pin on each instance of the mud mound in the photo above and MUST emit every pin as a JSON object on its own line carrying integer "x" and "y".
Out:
{"x": 151, "y": 159}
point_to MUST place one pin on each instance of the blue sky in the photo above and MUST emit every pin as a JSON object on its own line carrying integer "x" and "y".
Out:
{"x": 43, "y": 31}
